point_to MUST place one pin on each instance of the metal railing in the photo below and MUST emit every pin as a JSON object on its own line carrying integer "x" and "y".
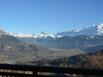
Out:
{"x": 7, "y": 70}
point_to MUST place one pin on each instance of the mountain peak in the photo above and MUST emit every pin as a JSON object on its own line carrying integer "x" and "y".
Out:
{"x": 100, "y": 29}
{"x": 100, "y": 25}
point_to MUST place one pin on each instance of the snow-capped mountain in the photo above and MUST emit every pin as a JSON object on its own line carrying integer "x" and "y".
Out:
{"x": 46, "y": 35}
{"x": 82, "y": 39}
{"x": 69, "y": 33}
{"x": 20, "y": 35}
{"x": 40, "y": 35}
{"x": 90, "y": 31}
{"x": 93, "y": 30}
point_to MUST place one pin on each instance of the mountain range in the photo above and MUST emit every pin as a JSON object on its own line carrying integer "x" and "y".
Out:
{"x": 87, "y": 39}
{"x": 89, "y": 31}
{"x": 26, "y": 48}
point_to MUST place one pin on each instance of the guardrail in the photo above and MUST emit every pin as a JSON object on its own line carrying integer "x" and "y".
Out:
{"x": 7, "y": 70}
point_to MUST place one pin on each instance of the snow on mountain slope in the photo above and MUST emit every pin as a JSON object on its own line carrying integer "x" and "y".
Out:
{"x": 99, "y": 29}
{"x": 93, "y": 30}
{"x": 69, "y": 33}
{"x": 20, "y": 35}
{"x": 40, "y": 35}
{"x": 44, "y": 35}
{"x": 89, "y": 31}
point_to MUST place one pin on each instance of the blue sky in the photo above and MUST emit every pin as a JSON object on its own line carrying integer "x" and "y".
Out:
{"x": 34, "y": 16}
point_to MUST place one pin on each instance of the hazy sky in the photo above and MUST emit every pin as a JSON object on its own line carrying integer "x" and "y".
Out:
{"x": 33, "y": 16}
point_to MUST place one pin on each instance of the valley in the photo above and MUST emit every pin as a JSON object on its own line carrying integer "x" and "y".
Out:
{"x": 51, "y": 49}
